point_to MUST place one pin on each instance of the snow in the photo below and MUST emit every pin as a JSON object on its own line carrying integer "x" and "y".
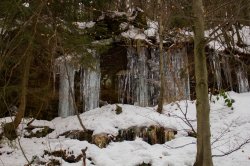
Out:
{"x": 219, "y": 42}
{"x": 137, "y": 33}
{"x": 230, "y": 127}
{"x": 152, "y": 29}
{"x": 26, "y": 4}
{"x": 134, "y": 33}
{"x": 84, "y": 25}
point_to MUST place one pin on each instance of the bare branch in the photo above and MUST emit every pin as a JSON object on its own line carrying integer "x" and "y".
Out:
{"x": 233, "y": 150}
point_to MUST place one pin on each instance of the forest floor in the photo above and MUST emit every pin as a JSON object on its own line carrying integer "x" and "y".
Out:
{"x": 230, "y": 128}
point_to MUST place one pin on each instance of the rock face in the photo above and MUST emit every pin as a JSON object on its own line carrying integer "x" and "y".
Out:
{"x": 153, "y": 135}
{"x": 79, "y": 135}
{"x": 130, "y": 74}
{"x": 137, "y": 81}
{"x": 65, "y": 155}
{"x": 41, "y": 131}
{"x": 129, "y": 71}
{"x": 113, "y": 61}
{"x": 228, "y": 72}
{"x": 101, "y": 140}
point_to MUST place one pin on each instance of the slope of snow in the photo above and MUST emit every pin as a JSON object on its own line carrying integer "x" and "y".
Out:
{"x": 230, "y": 128}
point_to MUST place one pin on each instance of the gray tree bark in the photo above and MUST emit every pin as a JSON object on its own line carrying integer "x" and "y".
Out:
{"x": 203, "y": 156}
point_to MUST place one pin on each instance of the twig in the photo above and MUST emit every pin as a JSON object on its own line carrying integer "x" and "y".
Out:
{"x": 84, "y": 156}
{"x": 222, "y": 134}
{"x": 233, "y": 150}
{"x": 29, "y": 163}
{"x": 177, "y": 147}
{"x": 73, "y": 97}
{"x": 33, "y": 119}
{"x": 185, "y": 120}
{"x": 2, "y": 162}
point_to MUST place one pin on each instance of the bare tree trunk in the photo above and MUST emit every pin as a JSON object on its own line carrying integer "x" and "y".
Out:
{"x": 10, "y": 128}
{"x": 24, "y": 90}
{"x": 203, "y": 156}
{"x": 162, "y": 82}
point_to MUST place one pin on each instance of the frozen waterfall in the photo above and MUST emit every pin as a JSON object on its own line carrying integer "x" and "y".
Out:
{"x": 91, "y": 88}
{"x": 176, "y": 75}
{"x": 66, "y": 89}
{"x": 140, "y": 84}
{"x": 222, "y": 67}
{"x": 242, "y": 80}
{"x": 216, "y": 68}
{"x": 132, "y": 84}
{"x": 141, "y": 78}
{"x": 90, "y": 85}
{"x": 227, "y": 71}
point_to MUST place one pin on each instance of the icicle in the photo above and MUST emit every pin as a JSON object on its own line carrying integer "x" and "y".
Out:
{"x": 215, "y": 62}
{"x": 119, "y": 89}
{"x": 227, "y": 71}
{"x": 55, "y": 71}
{"x": 66, "y": 89}
{"x": 131, "y": 57}
{"x": 122, "y": 85}
{"x": 90, "y": 80}
{"x": 141, "y": 84}
{"x": 185, "y": 75}
{"x": 243, "y": 85}
{"x": 176, "y": 75}
{"x": 131, "y": 76}
{"x": 142, "y": 92}
{"x": 136, "y": 80}
{"x": 154, "y": 79}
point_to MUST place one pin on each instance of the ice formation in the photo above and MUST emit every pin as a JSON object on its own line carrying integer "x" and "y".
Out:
{"x": 221, "y": 66}
{"x": 140, "y": 84}
{"x": 216, "y": 68}
{"x": 227, "y": 71}
{"x": 242, "y": 80}
{"x": 176, "y": 75}
{"x": 66, "y": 89}
{"x": 133, "y": 85}
{"x": 90, "y": 85}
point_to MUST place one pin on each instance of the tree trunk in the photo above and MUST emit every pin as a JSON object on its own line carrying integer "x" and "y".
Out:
{"x": 203, "y": 156}
{"x": 24, "y": 89}
{"x": 162, "y": 84}
{"x": 9, "y": 128}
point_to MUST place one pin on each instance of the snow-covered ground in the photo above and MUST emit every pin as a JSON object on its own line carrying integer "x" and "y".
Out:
{"x": 230, "y": 128}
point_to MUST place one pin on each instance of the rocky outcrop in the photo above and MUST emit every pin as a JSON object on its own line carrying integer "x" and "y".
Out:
{"x": 154, "y": 134}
